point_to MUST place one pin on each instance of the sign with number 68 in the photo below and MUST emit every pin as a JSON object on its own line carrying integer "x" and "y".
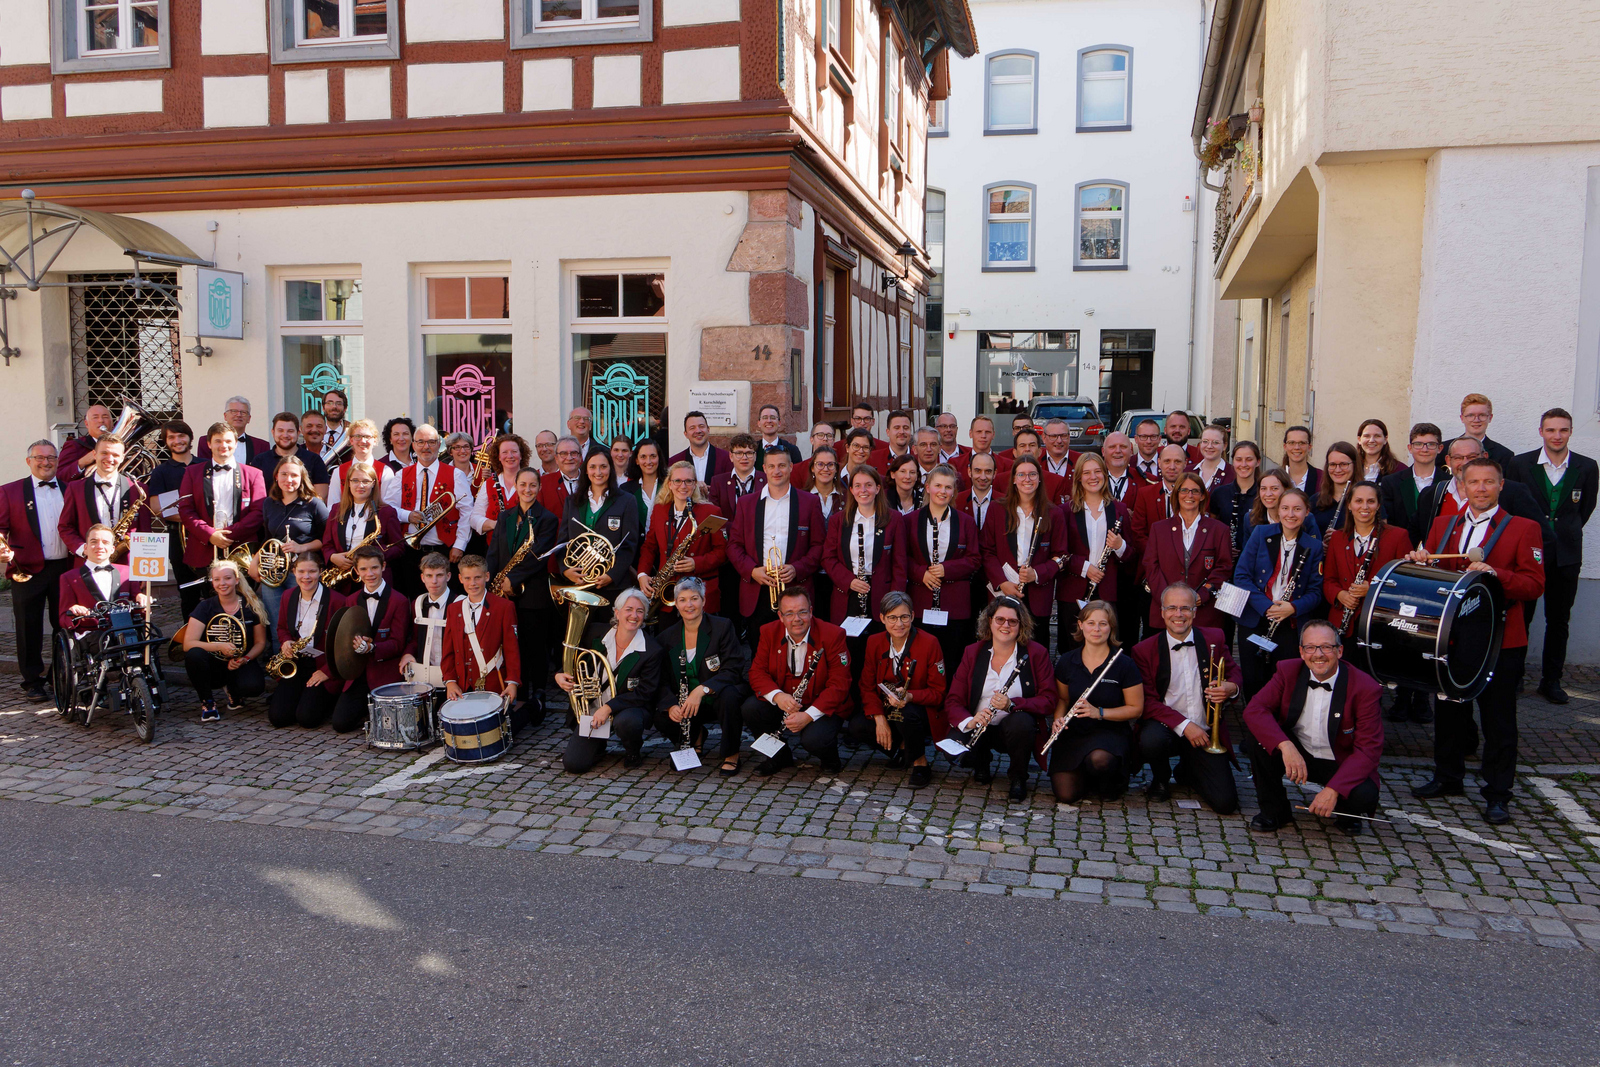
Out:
{"x": 147, "y": 557}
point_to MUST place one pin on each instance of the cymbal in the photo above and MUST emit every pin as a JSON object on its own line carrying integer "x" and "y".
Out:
{"x": 347, "y": 624}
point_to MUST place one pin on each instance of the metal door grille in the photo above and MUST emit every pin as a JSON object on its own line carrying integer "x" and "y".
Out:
{"x": 125, "y": 343}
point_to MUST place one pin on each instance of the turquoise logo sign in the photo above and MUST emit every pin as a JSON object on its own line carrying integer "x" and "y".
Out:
{"x": 220, "y": 305}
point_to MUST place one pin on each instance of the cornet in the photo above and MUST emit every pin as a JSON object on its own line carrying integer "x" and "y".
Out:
{"x": 774, "y": 567}
{"x": 1215, "y": 677}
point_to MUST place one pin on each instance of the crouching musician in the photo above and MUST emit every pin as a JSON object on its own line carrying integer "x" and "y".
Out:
{"x": 801, "y": 678}
{"x": 1001, "y": 694}
{"x": 627, "y": 694}
{"x": 902, "y": 690}
{"x": 223, "y": 641}
{"x": 307, "y": 687}
{"x": 480, "y": 638}
{"x": 707, "y": 666}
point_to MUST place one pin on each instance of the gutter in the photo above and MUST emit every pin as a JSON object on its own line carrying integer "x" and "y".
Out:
{"x": 1207, "y": 72}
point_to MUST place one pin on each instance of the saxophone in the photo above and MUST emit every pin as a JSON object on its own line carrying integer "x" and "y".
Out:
{"x": 334, "y": 575}
{"x": 283, "y": 664}
{"x": 661, "y": 585}
{"x": 123, "y": 528}
{"x": 511, "y": 564}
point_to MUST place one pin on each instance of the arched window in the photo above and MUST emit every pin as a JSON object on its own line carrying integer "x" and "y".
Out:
{"x": 1105, "y": 88}
{"x": 1011, "y": 93}
{"x": 1102, "y": 217}
{"x": 1008, "y": 232}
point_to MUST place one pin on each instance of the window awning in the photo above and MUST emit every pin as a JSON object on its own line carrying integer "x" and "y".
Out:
{"x": 33, "y": 234}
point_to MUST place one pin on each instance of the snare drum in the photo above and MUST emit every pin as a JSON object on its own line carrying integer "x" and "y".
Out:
{"x": 400, "y": 716}
{"x": 1432, "y": 630}
{"x": 474, "y": 729}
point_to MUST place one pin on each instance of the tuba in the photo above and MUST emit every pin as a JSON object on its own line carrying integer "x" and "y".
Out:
{"x": 590, "y": 670}
{"x": 132, "y": 428}
{"x": 591, "y": 555}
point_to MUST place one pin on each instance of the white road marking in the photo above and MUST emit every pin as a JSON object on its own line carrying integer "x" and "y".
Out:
{"x": 1569, "y": 808}
{"x": 408, "y": 776}
{"x": 1522, "y": 851}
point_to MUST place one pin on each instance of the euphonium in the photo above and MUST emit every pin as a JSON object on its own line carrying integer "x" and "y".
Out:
{"x": 774, "y": 564}
{"x": 590, "y": 670}
{"x": 1214, "y": 678}
{"x": 134, "y": 428}
{"x": 591, "y": 555}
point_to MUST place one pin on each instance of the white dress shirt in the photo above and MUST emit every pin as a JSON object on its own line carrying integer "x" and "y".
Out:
{"x": 775, "y": 522}
{"x": 797, "y": 654}
{"x": 1475, "y": 528}
{"x": 108, "y": 500}
{"x": 700, "y": 463}
{"x": 1189, "y": 530}
{"x": 1025, "y": 543}
{"x": 865, "y": 535}
{"x": 355, "y": 525}
{"x": 1422, "y": 481}
{"x": 1063, "y": 468}
{"x": 432, "y": 642}
{"x": 1311, "y": 729}
{"x": 1460, "y": 495}
{"x": 1552, "y": 470}
{"x": 427, "y": 477}
{"x": 1280, "y": 583}
{"x": 222, "y": 497}
{"x": 105, "y": 579}
{"x": 1372, "y": 472}
{"x": 372, "y": 602}
{"x": 980, "y": 508}
{"x": 481, "y": 521}
{"x": 305, "y": 620}
{"x": 1094, "y": 523}
{"x": 48, "y": 502}
{"x": 1185, "y": 694}
{"x": 998, "y": 673}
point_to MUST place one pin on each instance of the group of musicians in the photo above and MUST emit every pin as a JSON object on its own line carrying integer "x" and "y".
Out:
{"x": 899, "y": 592}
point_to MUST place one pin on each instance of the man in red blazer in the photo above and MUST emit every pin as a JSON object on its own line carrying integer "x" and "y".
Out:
{"x": 480, "y": 638}
{"x": 96, "y": 582}
{"x": 709, "y": 460}
{"x": 1118, "y": 454}
{"x": 390, "y": 615}
{"x": 103, "y": 495}
{"x": 1513, "y": 549}
{"x": 1177, "y": 432}
{"x": 901, "y": 657}
{"x": 555, "y": 488}
{"x": 899, "y": 442}
{"x": 1157, "y": 500}
{"x": 981, "y": 431}
{"x": 220, "y": 502}
{"x": 1147, "y": 458}
{"x": 78, "y": 450}
{"x": 35, "y": 558}
{"x": 236, "y": 416}
{"x": 1315, "y": 720}
{"x": 951, "y": 451}
{"x": 789, "y": 649}
{"x": 1176, "y": 666}
{"x": 779, "y": 516}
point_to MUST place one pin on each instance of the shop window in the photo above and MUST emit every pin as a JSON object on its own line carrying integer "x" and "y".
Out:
{"x": 320, "y": 341}
{"x": 467, "y": 353}
{"x": 619, "y": 350}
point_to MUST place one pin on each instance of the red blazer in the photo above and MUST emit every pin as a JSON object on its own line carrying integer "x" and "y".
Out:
{"x": 1210, "y": 564}
{"x": 721, "y": 491}
{"x": 961, "y": 561}
{"x": 1131, "y": 484}
{"x": 746, "y": 552}
{"x": 73, "y": 449}
{"x": 1000, "y": 548}
{"x": 391, "y": 634}
{"x": 1355, "y": 722}
{"x": 1138, "y": 473}
{"x": 1073, "y": 586}
{"x": 553, "y": 492}
{"x": 1036, "y": 674}
{"x": 1340, "y": 563}
{"x": 717, "y": 460}
{"x": 1002, "y": 469}
{"x": 839, "y": 563}
{"x": 963, "y": 503}
{"x": 19, "y": 522}
{"x": 1154, "y": 660}
{"x": 709, "y": 552}
{"x": 829, "y": 688}
{"x": 1150, "y": 506}
{"x": 392, "y": 541}
{"x": 927, "y": 676}
{"x": 288, "y": 606}
{"x": 195, "y": 509}
{"x": 80, "y": 508}
{"x": 496, "y": 632}
{"x": 77, "y": 589}
{"x": 1517, "y": 558}
{"x": 247, "y": 449}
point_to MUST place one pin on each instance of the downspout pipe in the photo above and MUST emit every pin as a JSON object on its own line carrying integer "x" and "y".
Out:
{"x": 1220, "y": 18}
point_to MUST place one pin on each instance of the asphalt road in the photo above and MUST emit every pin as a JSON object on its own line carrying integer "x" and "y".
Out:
{"x": 259, "y": 946}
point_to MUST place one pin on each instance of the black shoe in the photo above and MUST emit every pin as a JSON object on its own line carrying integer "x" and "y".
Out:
{"x": 1397, "y": 713}
{"x": 1350, "y": 826}
{"x": 1422, "y": 711}
{"x": 983, "y": 773}
{"x": 773, "y": 764}
{"x": 1553, "y": 692}
{"x": 1496, "y": 813}
{"x": 631, "y": 760}
{"x": 830, "y": 761}
{"x": 234, "y": 704}
{"x": 919, "y": 776}
{"x": 1265, "y": 823}
{"x": 1158, "y": 791}
{"x": 727, "y": 771}
{"x": 1437, "y": 787}
{"x": 1019, "y": 789}
{"x": 35, "y": 694}
{"x": 899, "y": 758}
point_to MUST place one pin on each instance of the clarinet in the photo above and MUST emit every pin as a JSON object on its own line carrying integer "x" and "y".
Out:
{"x": 799, "y": 693}
{"x": 683, "y": 700}
{"x": 981, "y": 727}
{"x": 1025, "y": 558}
{"x": 861, "y": 568}
{"x": 1294, "y": 580}
{"x": 1348, "y": 623}
{"x": 935, "y": 557}
{"x": 1105, "y": 557}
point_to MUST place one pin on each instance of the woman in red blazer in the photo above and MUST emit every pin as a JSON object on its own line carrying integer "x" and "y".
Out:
{"x": 940, "y": 585}
{"x": 1363, "y": 544}
{"x": 1028, "y": 523}
{"x": 877, "y": 548}
{"x": 901, "y": 657}
{"x": 669, "y": 526}
{"x": 1095, "y": 521}
{"x": 1204, "y": 563}
{"x": 353, "y": 519}
{"x": 308, "y": 697}
{"x": 1006, "y": 681}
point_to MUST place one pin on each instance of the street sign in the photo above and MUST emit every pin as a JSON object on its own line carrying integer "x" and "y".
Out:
{"x": 221, "y": 304}
{"x": 147, "y": 557}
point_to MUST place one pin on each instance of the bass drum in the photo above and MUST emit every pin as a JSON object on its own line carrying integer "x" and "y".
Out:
{"x": 1432, "y": 630}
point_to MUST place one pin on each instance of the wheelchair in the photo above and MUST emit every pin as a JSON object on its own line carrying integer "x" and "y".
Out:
{"x": 109, "y": 660}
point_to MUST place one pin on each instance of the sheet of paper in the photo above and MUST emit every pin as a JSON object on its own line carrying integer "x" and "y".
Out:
{"x": 1010, "y": 572}
{"x": 768, "y": 745}
{"x": 1263, "y": 644}
{"x": 1190, "y": 804}
{"x": 856, "y": 625}
{"x": 951, "y": 747}
{"x": 1231, "y": 599}
{"x": 685, "y": 759}
{"x": 587, "y": 728}
{"x": 935, "y": 617}
{"x": 169, "y": 504}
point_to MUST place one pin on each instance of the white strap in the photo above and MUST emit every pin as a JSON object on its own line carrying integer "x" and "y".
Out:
{"x": 484, "y": 669}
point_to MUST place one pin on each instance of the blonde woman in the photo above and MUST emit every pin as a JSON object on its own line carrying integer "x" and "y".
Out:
{"x": 363, "y": 439}
{"x": 681, "y": 499}
{"x": 215, "y": 663}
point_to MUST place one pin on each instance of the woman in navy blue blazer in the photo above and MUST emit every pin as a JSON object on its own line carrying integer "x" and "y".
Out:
{"x": 1281, "y": 568}
{"x": 1269, "y": 488}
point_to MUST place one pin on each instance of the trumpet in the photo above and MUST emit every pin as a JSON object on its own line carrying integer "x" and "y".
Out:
{"x": 432, "y": 515}
{"x": 773, "y": 567}
{"x": 16, "y": 576}
{"x": 283, "y": 664}
{"x": 1215, "y": 677}
{"x": 334, "y": 575}
{"x": 483, "y": 461}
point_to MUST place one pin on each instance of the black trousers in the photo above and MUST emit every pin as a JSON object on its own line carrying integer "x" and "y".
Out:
{"x": 295, "y": 703}
{"x": 535, "y": 632}
{"x": 207, "y": 674}
{"x": 1256, "y": 664}
{"x": 1014, "y": 735}
{"x": 627, "y": 726}
{"x": 911, "y": 734}
{"x": 1560, "y": 590}
{"x": 1209, "y": 773}
{"x": 820, "y": 738}
{"x": 953, "y": 638}
{"x": 29, "y": 602}
{"x": 726, "y": 709}
{"x": 758, "y": 618}
{"x": 1497, "y": 711}
{"x": 1133, "y": 608}
{"x": 1266, "y": 768}
{"x": 350, "y": 708}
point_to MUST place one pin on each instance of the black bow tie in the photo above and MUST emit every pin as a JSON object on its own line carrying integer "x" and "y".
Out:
{"x": 217, "y": 468}
{"x": 428, "y": 607}
{"x": 373, "y": 596}
{"x": 1182, "y": 644}
{"x": 1328, "y": 686}
{"x": 48, "y": 485}
{"x": 105, "y": 568}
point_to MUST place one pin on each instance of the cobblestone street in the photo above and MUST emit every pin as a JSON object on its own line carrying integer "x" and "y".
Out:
{"x": 1437, "y": 870}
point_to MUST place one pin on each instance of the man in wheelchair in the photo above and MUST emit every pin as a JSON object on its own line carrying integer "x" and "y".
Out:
{"x": 92, "y": 641}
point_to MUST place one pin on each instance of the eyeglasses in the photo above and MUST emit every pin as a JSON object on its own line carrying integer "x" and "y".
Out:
{"x": 1190, "y": 489}
{"x": 1008, "y": 623}
{"x": 793, "y": 616}
{"x": 1428, "y": 445}
{"x": 898, "y": 617}
{"x": 1178, "y": 609}
{"x": 1321, "y": 650}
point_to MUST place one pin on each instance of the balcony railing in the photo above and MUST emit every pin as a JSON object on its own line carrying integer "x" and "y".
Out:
{"x": 1241, "y": 178}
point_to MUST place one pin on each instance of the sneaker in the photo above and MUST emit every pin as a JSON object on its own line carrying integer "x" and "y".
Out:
{"x": 234, "y": 705}
{"x": 209, "y": 712}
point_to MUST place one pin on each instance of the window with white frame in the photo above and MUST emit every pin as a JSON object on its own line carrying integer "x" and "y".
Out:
{"x": 891, "y": 89}
{"x": 320, "y": 338}
{"x": 1102, "y": 226}
{"x": 548, "y": 22}
{"x": 317, "y": 31}
{"x": 1104, "y": 89}
{"x": 1011, "y": 94}
{"x": 938, "y": 118}
{"x": 466, "y": 351}
{"x": 617, "y": 322}
{"x": 110, "y": 35}
{"x": 1008, "y": 227}
{"x": 837, "y": 25}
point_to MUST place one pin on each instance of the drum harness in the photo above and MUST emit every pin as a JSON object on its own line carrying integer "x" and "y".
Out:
{"x": 484, "y": 668}
{"x": 1489, "y": 540}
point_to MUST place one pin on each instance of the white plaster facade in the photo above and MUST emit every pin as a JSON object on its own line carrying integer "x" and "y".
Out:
{"x": 1152, "y": 158}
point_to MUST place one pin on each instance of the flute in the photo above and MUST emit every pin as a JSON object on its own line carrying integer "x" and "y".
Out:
{"x": 1060, "y": 726}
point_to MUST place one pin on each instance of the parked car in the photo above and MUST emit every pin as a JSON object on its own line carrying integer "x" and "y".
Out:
{"x": 1132, "y": 417}
{"x": 1088, "y": 428}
